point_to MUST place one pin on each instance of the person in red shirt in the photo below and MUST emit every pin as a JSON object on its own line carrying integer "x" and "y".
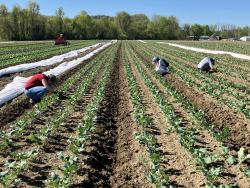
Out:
{"x": 37, "y": 86}
{"x": 60, "y": 40}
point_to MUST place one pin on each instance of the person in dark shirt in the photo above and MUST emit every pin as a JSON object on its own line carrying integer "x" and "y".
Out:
{"x": 37, "y": 86}
{"x": 207, "y": 64}
{"x": 161, "y": 65}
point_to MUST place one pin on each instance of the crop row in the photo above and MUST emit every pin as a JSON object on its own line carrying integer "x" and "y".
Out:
{"x": 230, "y": 66}
{"x": 20, "y": 161}
{"x": 12, "y": 54}
{"x": 232, "y": 69}
{"x": 229, "y": 93}
{"x": 180, "y": 74}
{"x": 34, "y": 55}
{"x": 17, "y": 128}
{"x": 25, "y": 47}
{"x": 63, "y": 175}
{"x": 21, "y": 46}
{"x": 155, "y": 173}
{"x": 188, "y": 136}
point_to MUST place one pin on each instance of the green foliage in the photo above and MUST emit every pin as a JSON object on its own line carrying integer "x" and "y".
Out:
{"x": 29, "y": 24}
{"x": 242, "y": 157}
{"x": 157, "y": 177}
{"x": 76, "y": 143}
{"x": 155, "y": 174}
{"x": 208, "y": 163}
{"x": 21, "y": 160}
{"x": 197, "y": 30}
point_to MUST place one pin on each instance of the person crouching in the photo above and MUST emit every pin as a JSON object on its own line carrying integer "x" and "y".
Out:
{"x": 37, "y": 86}
{"x": 161, "y": 66}
{"x": 207, "y": 65}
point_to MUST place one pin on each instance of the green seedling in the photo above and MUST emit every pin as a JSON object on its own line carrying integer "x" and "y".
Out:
{"x": 242, "y": 157}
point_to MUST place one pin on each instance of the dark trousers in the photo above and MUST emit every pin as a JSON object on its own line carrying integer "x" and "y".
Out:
{"x": 206, "y": 68}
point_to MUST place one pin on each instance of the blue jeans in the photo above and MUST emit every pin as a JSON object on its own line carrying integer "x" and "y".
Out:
{"x": 36, "y": 93}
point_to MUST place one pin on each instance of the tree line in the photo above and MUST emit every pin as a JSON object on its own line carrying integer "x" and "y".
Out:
{"x": 29, "y": 24}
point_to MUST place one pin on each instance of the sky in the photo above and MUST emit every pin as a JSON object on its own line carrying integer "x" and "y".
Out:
{"x": 187, "y": 11}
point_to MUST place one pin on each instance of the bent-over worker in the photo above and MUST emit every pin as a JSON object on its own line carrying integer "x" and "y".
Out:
{"x": 38, "y": 85}
{"x": 207, "y": 65}
{"x": 161, "y": 65}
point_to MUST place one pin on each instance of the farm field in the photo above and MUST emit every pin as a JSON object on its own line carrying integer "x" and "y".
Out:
{"x": 33, "y": 52}
{"x": 237, "y": 46}
{"x": 113, "y": 122}
{"x": 9, "y": 43}
{"x": 12, "y": 54}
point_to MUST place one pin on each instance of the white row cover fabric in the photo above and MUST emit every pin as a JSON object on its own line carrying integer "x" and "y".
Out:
{"x": 141, "y": 41}
{"x": 16, "y": 87}
{"x": 245, "y": 38}
{"x": 68, "y": 65}
{"x": 45, "y": 62}
{"x": 236, "y": 55}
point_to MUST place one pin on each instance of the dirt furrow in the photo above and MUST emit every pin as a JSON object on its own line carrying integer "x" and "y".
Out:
{"x": 112, "y": 157}
{"x": 128, "y": 170}
{"x": 14, "y": 109}
{"x": 177, "y": 161}
{"x": 52, "y": 109}
{"x": 23, "y": 143}
{"x": 47, "y": 161}
{"x": 219, "y": 115}
{"x": 230, "y": 173}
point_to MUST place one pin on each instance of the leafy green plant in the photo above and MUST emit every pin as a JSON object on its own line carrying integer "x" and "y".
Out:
{"x": 242, "y": 157}
{"x": 77, "y": 143}
{"x": 155, "y": 174}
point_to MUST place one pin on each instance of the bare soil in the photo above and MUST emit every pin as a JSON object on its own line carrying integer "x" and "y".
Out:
{"x": 231, "y": 173}
{"x": 111, "y": 159}
{"x": 218, "y": 115}
{"x": 47, "y": 161}
{"x": 177, "y": 161}
{"x": 221, "y": 116}
{"x": 15, "y": 108}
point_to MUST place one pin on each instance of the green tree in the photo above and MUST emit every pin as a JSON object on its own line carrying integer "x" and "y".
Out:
{"x": 3, "y": 10}
{"x": 15, "y": 28}
{"x": 123, "y": 21}
{"x": 82, "y": 26}
{"x": 104, "y": 28}
{"x": 186, "y": 30}
{"x": 138, "y": 26}
{"x": 162, "y": 27}
{"x": 197, "y": 30}
{"x": 59, "y": 20}
{"x": 4, "y": 23}
{"x": 245, "y": 31}
{"x": 29, "y": 24}
{"x": 35, "y": 27}
{"x": 51, "y": 28}
{"x": 207, "y": 31}
{"x": 68, "y": 28}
